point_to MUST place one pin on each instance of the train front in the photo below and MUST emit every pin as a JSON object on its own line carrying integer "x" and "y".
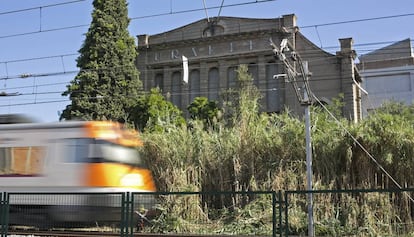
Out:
{"x": 114, "y": 167}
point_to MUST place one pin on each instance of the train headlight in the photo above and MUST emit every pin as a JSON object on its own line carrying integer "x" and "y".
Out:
{"x": 131, "y": 180}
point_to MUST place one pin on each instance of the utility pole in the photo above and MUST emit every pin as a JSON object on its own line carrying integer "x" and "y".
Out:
{"x": 299, "y": 81}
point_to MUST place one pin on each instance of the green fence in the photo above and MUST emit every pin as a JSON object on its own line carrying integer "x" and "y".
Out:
{"x": 364, "y": 212}
{"x": 211, "y": 213}
{"x": 218, "y": 213}
{"x": 374, "y": 212}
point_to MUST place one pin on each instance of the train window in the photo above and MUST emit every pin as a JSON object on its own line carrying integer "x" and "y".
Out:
{"x": 104, "y": 151}
{"x": 98, "y": 151}
{"x": 22, "y": 160}
{"x": 76, "y": 150}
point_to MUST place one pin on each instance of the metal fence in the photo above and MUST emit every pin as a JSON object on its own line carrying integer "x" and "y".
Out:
{"x": 208, "y": 213}
{"x": 362, "y": 212}
{"x": 374, "y": 212}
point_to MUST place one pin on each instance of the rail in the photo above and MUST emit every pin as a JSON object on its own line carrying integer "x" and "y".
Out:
{"x": 365, "y": 212}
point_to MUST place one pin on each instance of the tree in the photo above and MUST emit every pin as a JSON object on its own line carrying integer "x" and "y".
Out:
{"x": 153, "y": 113}
{"x": 107, "y": 85}
{"x": 243, "y": 100}
{"x": 203, "y": 109}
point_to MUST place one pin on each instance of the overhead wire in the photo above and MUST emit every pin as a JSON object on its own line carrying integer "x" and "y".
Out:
{"x": 178, "y": 12}
{"x": 355, "y": 140}
{"x": 178, "y": 68}
{"x": 358, "y": 20}
{"x": 220, "y": 7}
{"x": 195, "y": 10}
{"x": 131, "y": 18}
{"x": 39, "y": 7}
{"x": 308, "y": 52}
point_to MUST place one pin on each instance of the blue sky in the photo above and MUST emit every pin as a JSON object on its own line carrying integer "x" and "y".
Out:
{"x": 30, "y": 43}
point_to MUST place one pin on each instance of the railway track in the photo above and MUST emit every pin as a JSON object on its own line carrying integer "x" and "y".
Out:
{"x": 36, "y": 233}
{"x": 32, "y": 233}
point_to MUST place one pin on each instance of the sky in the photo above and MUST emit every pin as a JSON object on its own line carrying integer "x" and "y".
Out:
{"x": 40, "y": 39}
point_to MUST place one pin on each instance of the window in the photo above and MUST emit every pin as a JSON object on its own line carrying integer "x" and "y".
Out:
{"x": 90, "y": 150}
{"x": 254, "y": 72}
{"x": 194, "y": 84}
{"x": 232, "y": 78}
{"x": 272, "y": 88}
{"x": 27, "y": 160}
{"x": 176, "y": 89}
{"x": 76, "y": 150}
{"x": 213, "y": 84}
{"x": 159, "y": 81}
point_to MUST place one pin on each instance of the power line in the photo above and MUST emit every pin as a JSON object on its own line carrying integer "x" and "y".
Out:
{"x": 40, "y": 58}
{"x": 36, "y": 102}
{"x": 194, "y": 10}
{"x": 357, "y": 20}
{"x": 132, "y": 18}
{"x": 178, "y": 68}
{"x": 40, "y": 7}
{"x": 356, "y": 141}
{"x": 200, "y": 9}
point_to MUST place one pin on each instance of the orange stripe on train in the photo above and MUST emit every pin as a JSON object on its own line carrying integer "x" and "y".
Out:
{"x": 118, "y": 175}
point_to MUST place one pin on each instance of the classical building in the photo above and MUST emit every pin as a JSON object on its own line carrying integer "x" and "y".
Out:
{"x": 388, "y": 75}
{"x": 217, "y": 46}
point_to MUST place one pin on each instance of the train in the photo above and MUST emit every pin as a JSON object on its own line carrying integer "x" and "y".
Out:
{"x": 71, "y": 171}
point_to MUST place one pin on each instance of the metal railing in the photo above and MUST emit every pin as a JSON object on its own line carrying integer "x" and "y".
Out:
{"x": 365, "y": 212}
{"x": 361, "y": 212}
{"x": 208, "y": 213}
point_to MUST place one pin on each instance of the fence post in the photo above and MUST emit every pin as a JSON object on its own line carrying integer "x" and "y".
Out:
{"x": 274, "y": 214}
{"x": 279, "y": 197}
{"x": 286, "y": 214}
{"x": 124, "y": 214}
{"x": 4, "y": 213}
{"x": 131, "y": 215}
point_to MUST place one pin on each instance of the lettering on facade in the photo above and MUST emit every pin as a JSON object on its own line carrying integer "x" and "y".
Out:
{"x": 175, "y": 54}
{"x": 208, "y": 50}
{"x": 157, "y": 56}
{"x": 193, "y": 49}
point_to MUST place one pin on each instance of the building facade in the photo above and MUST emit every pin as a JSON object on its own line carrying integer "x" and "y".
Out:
{"x": 387, "y": 75}
{"x": 216, "y": 47}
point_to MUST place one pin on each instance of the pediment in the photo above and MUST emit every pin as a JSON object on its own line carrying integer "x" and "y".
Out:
{"x": 213, "y": 27}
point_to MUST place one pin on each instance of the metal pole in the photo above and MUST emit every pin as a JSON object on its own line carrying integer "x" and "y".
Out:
{"x": 309, "y": 166}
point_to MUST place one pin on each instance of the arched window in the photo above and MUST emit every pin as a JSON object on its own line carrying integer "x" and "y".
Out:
{"x": 213, "y": 84}
{"x": 232, "y": 77}
{"x": 176, "y": 89}
{"x": 159, "y": 81}
{"x": 254, "y": 71}
{"x": 273, "y": 91}
{"x": 194, "y": 84}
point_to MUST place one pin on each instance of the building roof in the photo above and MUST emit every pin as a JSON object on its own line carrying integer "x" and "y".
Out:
{"x": 401, "y": 49}
{"x": 394, "y": 55}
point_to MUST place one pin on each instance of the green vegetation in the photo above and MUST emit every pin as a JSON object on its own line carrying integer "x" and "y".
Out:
{"x": 236, "y": 148}
{"x": 108, "y": 85}
{"x": 267, "y": 152}
{"x": 153, "y": 113}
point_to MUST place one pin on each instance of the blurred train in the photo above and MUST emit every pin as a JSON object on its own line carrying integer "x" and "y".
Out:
{"x": 85, "y": 167}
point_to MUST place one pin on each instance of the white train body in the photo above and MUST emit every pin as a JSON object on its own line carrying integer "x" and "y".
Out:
{"x": 67, "y": 158}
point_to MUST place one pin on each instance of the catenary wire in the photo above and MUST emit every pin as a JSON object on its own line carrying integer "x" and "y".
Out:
{"x": 216, "y": 7}
{"x": 131, "y": 18}
{"x": 357, "y": 47}
{"x": 40, "y": 7}
{"x": 383, "y": 170}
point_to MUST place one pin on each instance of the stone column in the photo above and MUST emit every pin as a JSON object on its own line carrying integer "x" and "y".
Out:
{"x": 346, "y": 59}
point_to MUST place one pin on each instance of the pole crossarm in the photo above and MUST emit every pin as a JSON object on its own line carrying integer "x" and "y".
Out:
{"x": 297, "y": 73}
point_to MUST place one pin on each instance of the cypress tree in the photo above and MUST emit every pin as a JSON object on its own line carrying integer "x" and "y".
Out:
{"x": 107, "y": 85}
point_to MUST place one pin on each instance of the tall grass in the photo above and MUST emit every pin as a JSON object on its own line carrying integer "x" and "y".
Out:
{"x": 252, "y": 151}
